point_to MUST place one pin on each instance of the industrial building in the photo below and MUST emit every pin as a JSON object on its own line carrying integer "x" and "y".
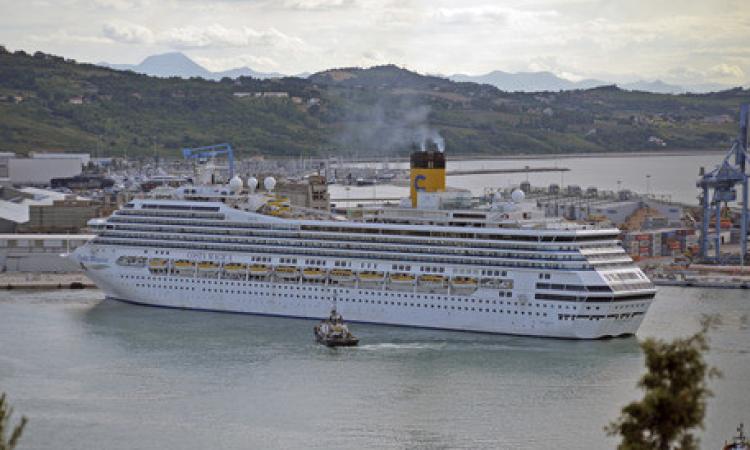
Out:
{"x": 38, "y": 210}
{"x": 69, "y": 214}
{"x": 38, "y": 253}
{"x": 40, "y": 168}
{"x": 615, "y": 211}
{"x": 310, "y": 193}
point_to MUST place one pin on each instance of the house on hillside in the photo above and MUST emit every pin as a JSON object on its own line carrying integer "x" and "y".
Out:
{"x": 659, "y": 142}
{"x": 272, "y": 94}
{"x": 77, "y": 100}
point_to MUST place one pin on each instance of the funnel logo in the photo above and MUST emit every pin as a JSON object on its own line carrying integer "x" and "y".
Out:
{"x": 418, "y": 182}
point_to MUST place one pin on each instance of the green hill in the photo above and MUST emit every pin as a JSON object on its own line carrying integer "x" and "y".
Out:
{"x": 50, "y": 103}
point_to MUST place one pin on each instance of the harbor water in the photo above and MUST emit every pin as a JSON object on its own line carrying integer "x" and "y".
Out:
{"x": 671, "y": 176}
{"x": 98, "y": 374}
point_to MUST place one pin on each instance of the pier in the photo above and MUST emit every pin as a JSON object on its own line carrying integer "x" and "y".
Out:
{"x": 45, "y": 281}
{"x": 496, "y": 171}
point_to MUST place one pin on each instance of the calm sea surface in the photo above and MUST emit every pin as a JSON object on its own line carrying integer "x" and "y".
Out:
{"x": 673, "y": 176}
{"x": 95, "y": 374}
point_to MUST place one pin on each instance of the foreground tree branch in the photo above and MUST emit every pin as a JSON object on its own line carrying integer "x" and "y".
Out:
{"x": 676, "y": 392}
{"x": 5, "y": 412}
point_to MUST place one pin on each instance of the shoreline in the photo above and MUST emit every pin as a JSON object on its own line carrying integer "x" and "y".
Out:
{"x": 44, "y": 281}
{"x": 668, "y": 153}
{"x": 545, "y": 156}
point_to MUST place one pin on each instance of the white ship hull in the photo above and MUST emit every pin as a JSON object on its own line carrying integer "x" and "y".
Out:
{"x": 485, "y": 310}
{"x": 535, "y": 279}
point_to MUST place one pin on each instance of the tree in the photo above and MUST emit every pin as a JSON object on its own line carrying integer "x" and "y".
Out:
{"x": 15, "y": 435}
{"x": 676, "y": 392}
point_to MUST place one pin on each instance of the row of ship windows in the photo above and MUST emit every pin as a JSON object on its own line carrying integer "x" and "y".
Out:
{"x": 598, "y": 316}
{"x": 376, "y": 230}
{"x": 414, "y": 248}
{"x": 401, "y": 267}
{"x": 177, "y": 207}
{"x": 607, "y": 299}
{"x": 573, "y": 287}
{"x": 187, "y": 215}
{"x": 315, "y": 289}
{"x": 346, "y": 300}
{"x": 343, "y": 253}
{"x": 630, "y": 286}
{"x": 220, "y": 228}
{"x": 483, "y": 282}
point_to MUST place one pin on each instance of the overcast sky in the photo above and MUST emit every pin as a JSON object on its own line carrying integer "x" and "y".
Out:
{"x": 678, "y": 41}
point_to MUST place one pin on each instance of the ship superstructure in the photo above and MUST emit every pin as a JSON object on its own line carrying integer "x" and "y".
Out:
{"x": 499, "y": 269}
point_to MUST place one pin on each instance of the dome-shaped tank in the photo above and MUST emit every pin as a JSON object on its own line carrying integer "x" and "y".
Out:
{"x": 517, "y": 196}
{"x": 252, "y": 184}
{"x": 269, "y": 183}
{"x": 236, "y": 183}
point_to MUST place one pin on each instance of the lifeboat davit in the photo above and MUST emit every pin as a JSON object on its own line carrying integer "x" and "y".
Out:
{"x": 207, "y": 266}
{"x": 259, "y": 270}
{"x": 287, "y": 272}
{"x": 342, "y": 275}
{"x": 371, "y": 277}
{"x": 432, "y": 281}
{"x": 157, "y": 263}
{"x": 402, "y": 279}
{"x": 184, "y": 266}
{"x": 464, "y": 283}
{"x": 235, "y": 268}
{"x": 313, "y": 273}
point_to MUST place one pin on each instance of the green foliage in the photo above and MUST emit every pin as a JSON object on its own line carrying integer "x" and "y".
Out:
{"x": 6, "y": 411}
{"x": 354, "y": 111}
{"x": 676, "y": 392}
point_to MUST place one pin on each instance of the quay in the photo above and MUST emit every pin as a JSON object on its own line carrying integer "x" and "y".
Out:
{"x": 36, "y": 261}
{"x": 44, "y": 281}
{"x": 526, "y": 169}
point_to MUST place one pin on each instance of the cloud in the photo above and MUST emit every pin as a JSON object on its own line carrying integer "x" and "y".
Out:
{"x": 493, "y": 15}
{"x": 212, "y": 36}
{"x": 64, "y": 36}
{"x": 119, "y": 5}
{"x": 318, "y": 5}
{"x": 727, "y": 71}
{"x": 128, "y": 33}
{"x": 476, "y": 14}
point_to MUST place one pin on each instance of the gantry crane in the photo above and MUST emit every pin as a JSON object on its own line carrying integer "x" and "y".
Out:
{"x": 723, "y": 179}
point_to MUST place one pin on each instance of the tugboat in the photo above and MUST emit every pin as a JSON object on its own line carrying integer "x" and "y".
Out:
{"x": 333, "y": 332}
{"x": 739, "y": 442}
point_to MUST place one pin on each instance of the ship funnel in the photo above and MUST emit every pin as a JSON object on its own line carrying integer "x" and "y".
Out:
{"x": 427, "y": 171}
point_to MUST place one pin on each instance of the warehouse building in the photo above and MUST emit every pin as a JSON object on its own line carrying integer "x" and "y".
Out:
{"x": 38, "y": 210}
{"x": 39, "y": 253}
{"x": 40, "y": 168}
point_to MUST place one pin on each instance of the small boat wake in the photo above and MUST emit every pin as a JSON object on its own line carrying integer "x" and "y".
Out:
{"x": 405, "y": 346}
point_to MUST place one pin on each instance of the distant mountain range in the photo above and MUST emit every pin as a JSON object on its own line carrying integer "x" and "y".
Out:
{"x": 527, "y": 81}
{"x": 176, "y": 64}
{"x": 548, "y": 81}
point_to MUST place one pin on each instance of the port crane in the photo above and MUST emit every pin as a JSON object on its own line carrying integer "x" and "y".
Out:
{"x": 723, "y": 181}
{"x": 211, "y": 151}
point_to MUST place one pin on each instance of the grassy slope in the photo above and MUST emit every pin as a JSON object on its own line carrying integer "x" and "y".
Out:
{"x": 362, "y": 111}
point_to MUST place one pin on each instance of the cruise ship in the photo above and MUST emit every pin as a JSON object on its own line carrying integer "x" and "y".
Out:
{"x": 435, "y": 261}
